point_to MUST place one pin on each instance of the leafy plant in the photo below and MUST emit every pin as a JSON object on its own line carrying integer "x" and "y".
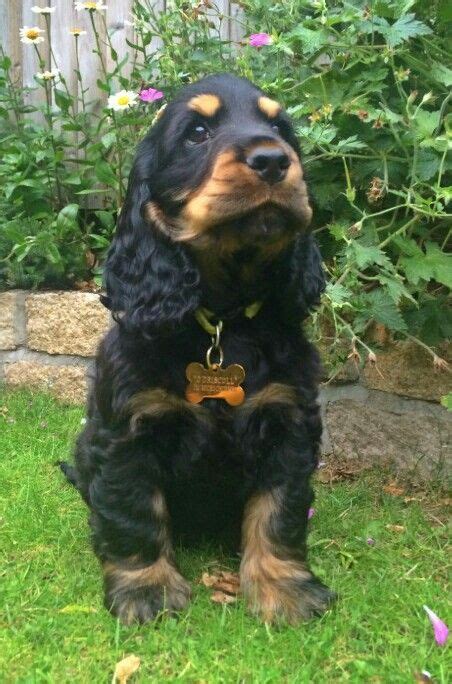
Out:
{"x": 368, "y": 86}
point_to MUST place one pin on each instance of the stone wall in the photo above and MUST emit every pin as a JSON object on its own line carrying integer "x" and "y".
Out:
{"x": 48, "y": 339}
{"x": 389, "y": 415}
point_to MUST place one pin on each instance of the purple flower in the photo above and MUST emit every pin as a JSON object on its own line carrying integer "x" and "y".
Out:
{"x": 440, "y": 629}
{"x": 311, "y": 513}
{"x": 151, "y": 95}
{"x": 370, "y": 541}
{"x": 260, "y": 39}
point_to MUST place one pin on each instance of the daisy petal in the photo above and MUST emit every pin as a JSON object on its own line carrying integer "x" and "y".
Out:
{"x": 440, "y": 628}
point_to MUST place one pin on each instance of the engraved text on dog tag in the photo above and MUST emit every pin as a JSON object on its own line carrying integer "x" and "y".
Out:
{"x": 215, "y": 383}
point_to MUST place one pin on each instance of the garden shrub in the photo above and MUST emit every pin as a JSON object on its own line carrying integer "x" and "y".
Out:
{"x": 368, "y": 87}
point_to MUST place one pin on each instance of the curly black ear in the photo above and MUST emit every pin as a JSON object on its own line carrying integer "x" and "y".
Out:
{"x": 151, "y": 282}
{"x": 302, "y": 278}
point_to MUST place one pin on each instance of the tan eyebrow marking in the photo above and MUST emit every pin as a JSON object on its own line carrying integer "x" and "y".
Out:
{"x": 206, "y": 104}
{"x": 268, "y": 106}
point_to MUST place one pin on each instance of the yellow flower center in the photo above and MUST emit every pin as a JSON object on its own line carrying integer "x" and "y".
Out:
{"x": 123, "y": 100}
{"x": 90, "y": 5}
{"x": 75, "y": 31}
{"x": 32, "y": 34}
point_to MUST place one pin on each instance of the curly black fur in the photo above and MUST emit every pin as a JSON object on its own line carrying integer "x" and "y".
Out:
{"x": 206, "y": 461}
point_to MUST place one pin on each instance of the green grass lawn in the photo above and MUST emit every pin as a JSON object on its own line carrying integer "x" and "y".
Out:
{"x": 55, "y": 629}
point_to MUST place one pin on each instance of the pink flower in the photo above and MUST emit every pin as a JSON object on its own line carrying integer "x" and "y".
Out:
{"x": 311, "y": 513}
{"x": 260, "y": 39}
{"x": 440, "y": 629}
{"x": 151, "y": 95}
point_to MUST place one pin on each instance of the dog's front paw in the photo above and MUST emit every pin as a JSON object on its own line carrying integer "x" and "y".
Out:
{"x": 292, "y": 596}
{"x": 141, "y": 595}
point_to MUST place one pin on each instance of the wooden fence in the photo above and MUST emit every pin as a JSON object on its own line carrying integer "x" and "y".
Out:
{"x": 17, "y": 13}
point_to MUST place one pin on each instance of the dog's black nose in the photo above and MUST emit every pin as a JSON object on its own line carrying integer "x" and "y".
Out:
{"x": 270, "y": 163}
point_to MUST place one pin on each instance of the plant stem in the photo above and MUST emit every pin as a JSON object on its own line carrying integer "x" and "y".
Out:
{"x": 97, "y": 39}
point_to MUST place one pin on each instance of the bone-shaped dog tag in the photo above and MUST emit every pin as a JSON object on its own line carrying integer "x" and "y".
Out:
{"x": 215, "y": 383}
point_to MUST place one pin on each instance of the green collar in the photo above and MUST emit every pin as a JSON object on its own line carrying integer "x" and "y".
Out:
{"x": 203, "y": 315}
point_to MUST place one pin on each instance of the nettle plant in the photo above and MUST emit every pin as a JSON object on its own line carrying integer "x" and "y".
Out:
{"x": 368, "y": 87}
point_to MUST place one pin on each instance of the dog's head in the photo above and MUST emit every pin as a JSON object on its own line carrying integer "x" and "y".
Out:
{"x": 219, "y": 170}
{"x": 224, "y": 151}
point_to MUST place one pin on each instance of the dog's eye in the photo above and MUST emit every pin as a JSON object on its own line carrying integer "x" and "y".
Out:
{"x": 197, "y": 134}
{"x": 276, "y": 127}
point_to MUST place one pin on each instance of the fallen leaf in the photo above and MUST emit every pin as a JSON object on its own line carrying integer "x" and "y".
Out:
{"x": 335, "y": 471}
{"x": 208, "y": 580}
{"x": 223, "y": 581}
{"x": 75, "y": 608}
{"x": 86, "y": 286}
{"x": 393, "y": 489}
{"x": 125, "y": 669}
{"x": 395, "y": 528}
{"x": 221, "y": 597}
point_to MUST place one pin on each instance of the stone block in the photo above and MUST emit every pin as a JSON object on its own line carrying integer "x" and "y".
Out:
{"x": 10, "y": 336}
{"x": 407, "y": 370}
{"x": 65, "y": 322}
{"x": 66, "y": 383}
{"x": 410, "y": 442}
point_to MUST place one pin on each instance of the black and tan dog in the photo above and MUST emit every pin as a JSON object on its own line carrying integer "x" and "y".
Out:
{"x": 212, "y": 252}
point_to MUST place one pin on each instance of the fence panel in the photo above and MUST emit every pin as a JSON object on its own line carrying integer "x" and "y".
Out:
{"x": 17, "y": 13}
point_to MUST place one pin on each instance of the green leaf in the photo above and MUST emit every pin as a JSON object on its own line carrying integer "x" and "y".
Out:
{"x": 53, "y": 254}
{"x": 403, "y": 29}
{"x": 337, "y": 294}
{"x": 407, "y": 246}
{"x": 365, "y": 255}
{"x": 339, "y": 229}
{"x": 425, "y": 123}
{"x": 446, "y": 401}
{"x": 105, "y": 174}
{"x": 62, "y": 99}
{"x": 427, "y": 164}
{"x": 348, "y": 144}
{"x": 106, "y": 219}
{"x": 108, "y": 139}
{"x": 381, "y": 307}
{"x": 67, "y": 217}
{"x": 441, "y": 73}
{"x": 395, "y": 288}
{"x": 310, "y": 40}
{"x": 433, "y": 265}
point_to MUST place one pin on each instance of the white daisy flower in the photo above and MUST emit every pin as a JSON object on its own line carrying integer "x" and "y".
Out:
{"x": 31, "y": 35}
{"x": 47, "y": 75}
{"x": 122, "y": 100}
{"x": 92, "y": 6}
{"x": 43, "y": 10}
{"x": 77, "y": 32}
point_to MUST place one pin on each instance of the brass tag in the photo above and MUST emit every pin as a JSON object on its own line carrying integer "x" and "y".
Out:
{"x": 215, "y": 383}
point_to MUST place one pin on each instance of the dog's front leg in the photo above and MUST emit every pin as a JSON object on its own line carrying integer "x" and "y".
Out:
{"x": 131, "y": 537}
{"x": 280, "y": 456}
{"x": 129, "y": 516}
